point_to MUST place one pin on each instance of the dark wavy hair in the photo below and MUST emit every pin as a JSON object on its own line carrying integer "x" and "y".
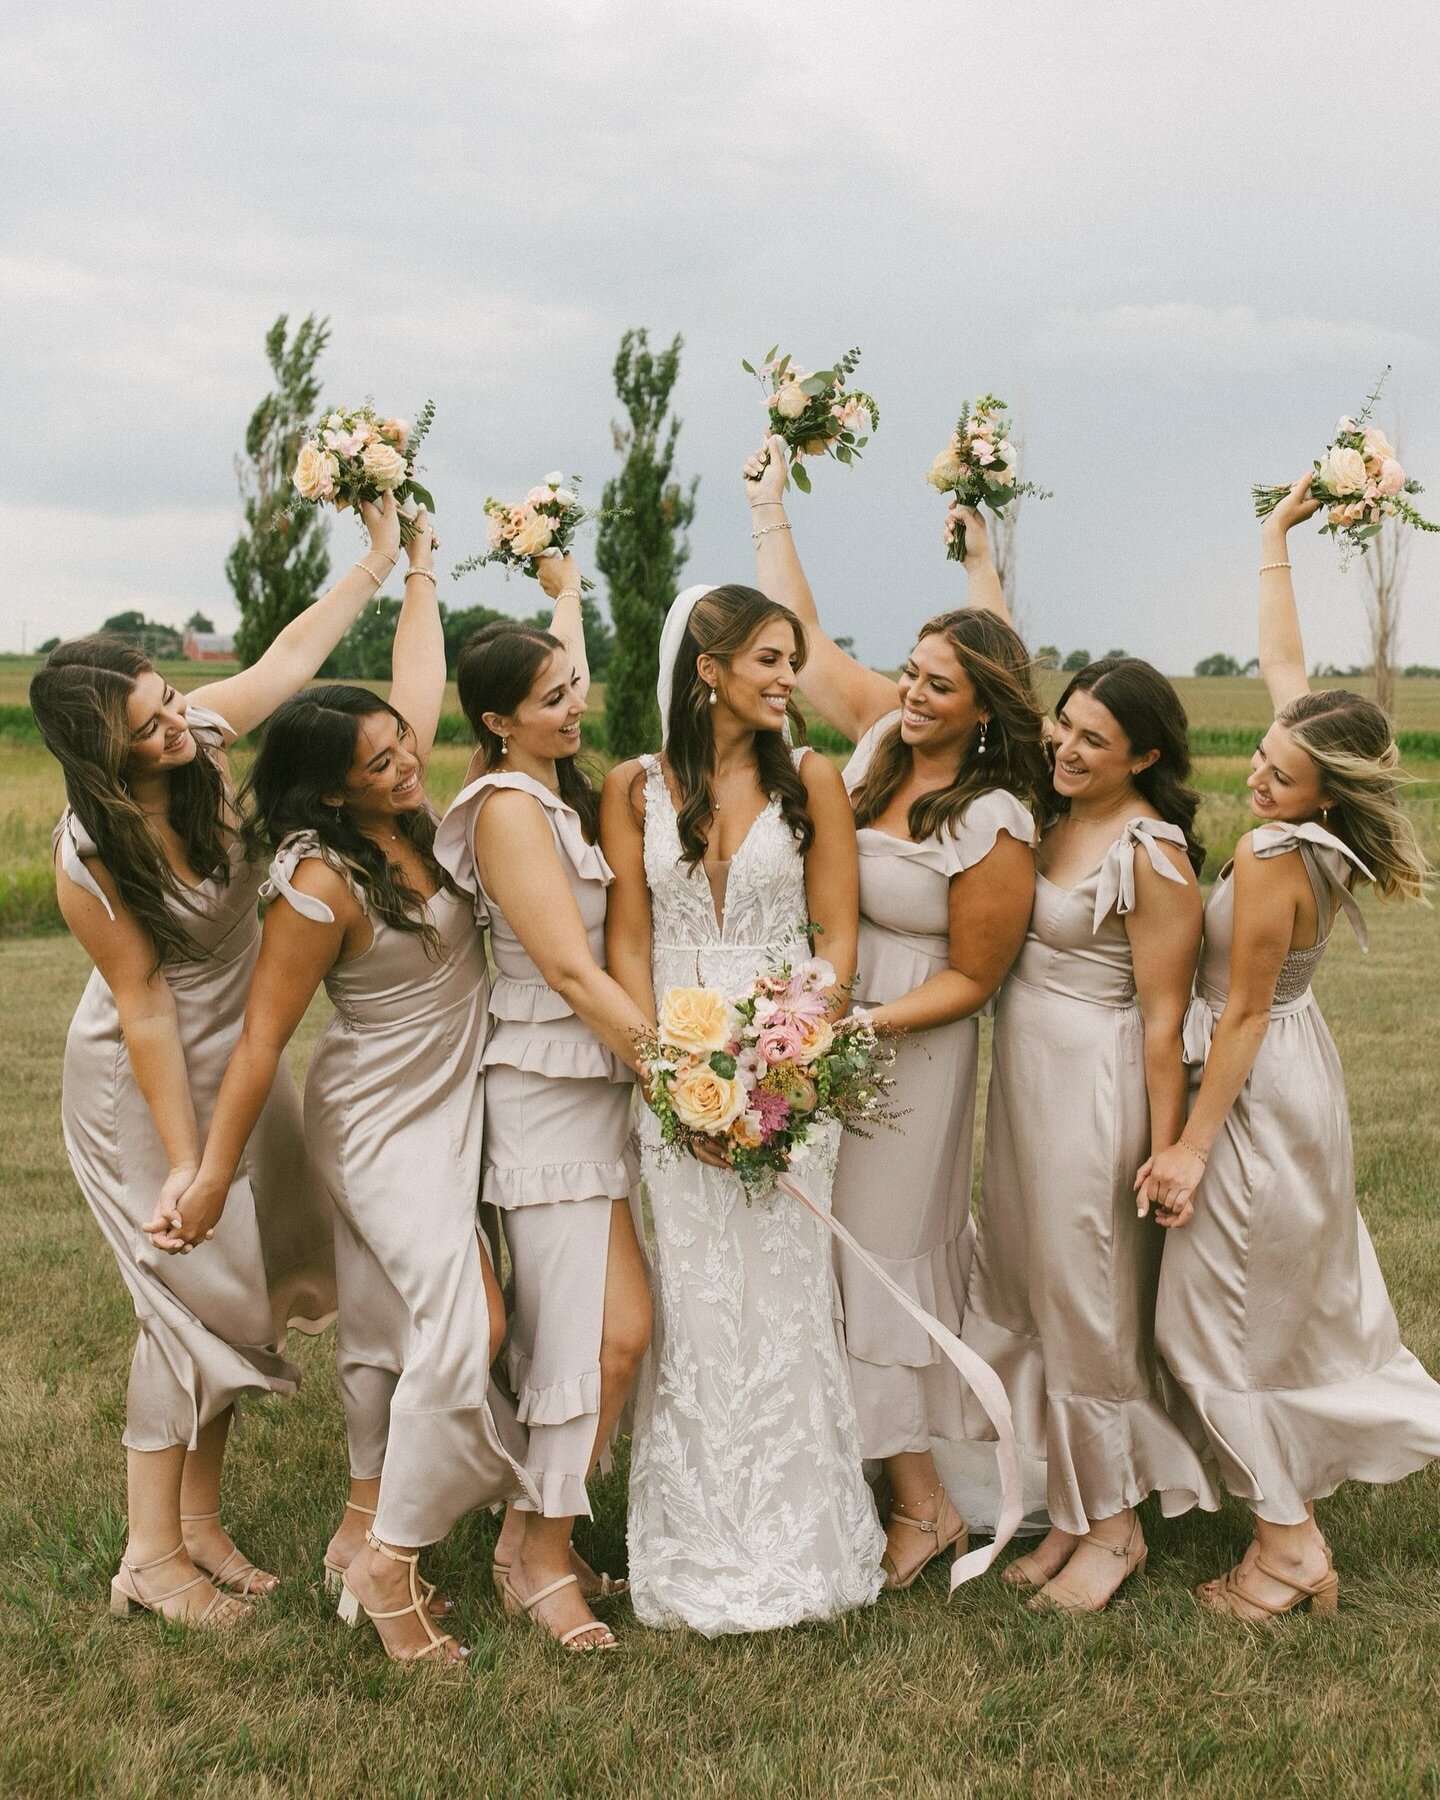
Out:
{"x": 306, "y": 753}
{"x": 998, "y": 665}
{"x": 1349, "y": 740}
{"x": 1148, "y": 710}
{"x": 721, "y": 624}
{"x": 78, "y": 697}
{"x": 495, "y": 672}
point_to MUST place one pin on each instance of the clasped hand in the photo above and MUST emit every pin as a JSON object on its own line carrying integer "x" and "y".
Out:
{"x": 186, "y": 1213}
{"x": 1167, "y": 1182}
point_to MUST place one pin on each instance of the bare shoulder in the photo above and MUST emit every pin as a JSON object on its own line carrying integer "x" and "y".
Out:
{"x": 1175, "y": 855}
{"x": 1274, "y": 872}
{"x": 821, "y": 777}
{"x": 624, "y": 790}
{"x": 509, "y": 810}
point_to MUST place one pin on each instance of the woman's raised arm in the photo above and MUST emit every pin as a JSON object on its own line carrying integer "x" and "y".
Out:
{"x": 417, "y": 660}
{"x": 1282, "y": 651}
{"x": 560, "y": 578}
{"x": 244, "y": 700}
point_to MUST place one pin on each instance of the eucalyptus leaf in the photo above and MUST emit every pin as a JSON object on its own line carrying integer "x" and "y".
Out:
{"x": 746, "y": 366}
{"x": 799, "y": 477}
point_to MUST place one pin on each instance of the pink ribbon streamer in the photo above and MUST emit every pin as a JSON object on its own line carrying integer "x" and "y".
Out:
{"x": 982, "y": 1380}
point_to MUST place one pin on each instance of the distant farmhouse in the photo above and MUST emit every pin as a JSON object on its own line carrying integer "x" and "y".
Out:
{"x": 209, "y": 646}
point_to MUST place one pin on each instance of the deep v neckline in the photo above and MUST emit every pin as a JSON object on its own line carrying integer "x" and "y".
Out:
{"x": 718, "y": 913}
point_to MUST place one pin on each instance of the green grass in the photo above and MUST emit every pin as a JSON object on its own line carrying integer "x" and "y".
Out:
{"x": 917, "y": 1696}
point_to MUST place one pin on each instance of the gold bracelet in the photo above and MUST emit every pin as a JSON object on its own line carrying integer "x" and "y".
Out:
{"x": 755, "y": 536}
{"x": 1265, "y": 566}
{"x": 1199, "y": 1155}
{"x": 424, "y": 573}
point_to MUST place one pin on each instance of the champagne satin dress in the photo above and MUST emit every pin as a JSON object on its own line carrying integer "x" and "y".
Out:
{"x": 906, "y": 1194}
{"x": 1062, "y": 1296}
{"x": 1273, "y": 1315}
{"x": 393, "y": 1104}
{"x": 212, "y": 1324}
{"x": 557, "y": 1153}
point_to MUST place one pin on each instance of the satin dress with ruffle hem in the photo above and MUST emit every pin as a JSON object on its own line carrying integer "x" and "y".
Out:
{"x": 393, "y": 1114}
{"x": 557, "y": 1153}
{"x": 1062, "y": 1294}
{"x": 212, "y": 1324}
{"x": 1273, "y": 1314}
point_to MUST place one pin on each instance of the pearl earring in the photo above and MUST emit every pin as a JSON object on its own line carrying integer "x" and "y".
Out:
{"x": 984, "y": 729}
{"x": 504, "y": 746}
{"x": 712, "y": 697}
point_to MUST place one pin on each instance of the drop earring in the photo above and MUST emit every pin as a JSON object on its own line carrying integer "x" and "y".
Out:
{"x": 504, "y": 746}
{"x": 712, "y": 697}
{"x": 984, "y": 729}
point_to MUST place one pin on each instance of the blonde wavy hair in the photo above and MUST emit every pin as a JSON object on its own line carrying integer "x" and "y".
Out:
{"x": 1348, "y": 738}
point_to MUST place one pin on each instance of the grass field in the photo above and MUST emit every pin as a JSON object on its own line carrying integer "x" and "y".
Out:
{"x": 917, "y": 1696}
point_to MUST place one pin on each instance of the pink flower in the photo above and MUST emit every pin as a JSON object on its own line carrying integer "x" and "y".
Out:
{"x": 780, "y": 1041}
{"x": 539, "y": 495}
{"x": 346, "y": 443}
{"x": 494, "y": 530}
{"x": 1392, "y": 477}
{"x": 397, "y": 430}
{"x": 772, "y": 1112}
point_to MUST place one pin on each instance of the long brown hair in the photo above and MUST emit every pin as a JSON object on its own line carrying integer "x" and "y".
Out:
{"x": 1148, "y": 710}
{"x": 306, "y": 753}
{"x": 1349, "y": 740}
{"x": 998, "y": 666}
{"x": 495, "y": 671}
{"x": 78, "y": 697}
{"x": 721, "y": 624}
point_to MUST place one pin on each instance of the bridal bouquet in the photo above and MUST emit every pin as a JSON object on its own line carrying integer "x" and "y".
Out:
{"x": 979, "y": 464}
{"x": 354, "y": 454}
{"x": 756, "y": 1072}
{"x": 1359, "y": 480}
{"x": 544, "y": 523}
{"x": 816, "y": 414}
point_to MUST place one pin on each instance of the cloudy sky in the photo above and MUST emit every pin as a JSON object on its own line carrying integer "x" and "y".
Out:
{"x": 1179, "y": 239}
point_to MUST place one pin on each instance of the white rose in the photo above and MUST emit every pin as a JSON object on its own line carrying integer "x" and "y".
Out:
{"x": 1342, "y": 472}
{"x": 385, "y": 467}
{"x": 790, "y": 402}
{"x": 564, "y": 496}
{"x": 554, "y": 478}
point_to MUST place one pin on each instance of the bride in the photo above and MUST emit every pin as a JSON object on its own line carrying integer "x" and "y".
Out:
{"x": 748, "y": 1507}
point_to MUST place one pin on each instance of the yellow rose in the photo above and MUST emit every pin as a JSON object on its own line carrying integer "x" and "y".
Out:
{"x": 706, "y": 1101}
{"x": 384, "y": 466}
{"x": 315, "y": 472}
{"x": 532, "y": 535}
{"x": 944, "y": 471}
{"x": 697, "y": 1019}
{"x": 816, "y": 1036}
{"x": 1342, "y": 472}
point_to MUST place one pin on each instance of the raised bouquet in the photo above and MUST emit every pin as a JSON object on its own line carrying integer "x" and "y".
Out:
{"x": 544, "y": 523}
{"x": 355, "y": 454}
{"x": 1359, "y": 480}
{"x": 816, "y": 414}
{"x": 757, "y": 1072}
{"x": 979, "y": 465}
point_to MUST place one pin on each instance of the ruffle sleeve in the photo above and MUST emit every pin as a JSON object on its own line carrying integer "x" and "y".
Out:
{"x": 208, "y": 727}
{"x": 454, "y": 847}
{"x": 455, "y": 836}
{"x": 75, "y": 843}
{"x": 1324, "y": 852}
{"x": 973, "y": 837}
{"x": 1115, "y": 888}
{"x": 299, "y": 847}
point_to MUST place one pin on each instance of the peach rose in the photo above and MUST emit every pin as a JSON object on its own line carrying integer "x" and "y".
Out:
{"x": 384, "y": 466}
{"x": 747, "y": 1132}
{"x": 533, "y": 535}
{"x": 1377, "y": 446}
{"x": 397, "y": 430}
{"x": 790, "y": 402}
{"x": 944, "y": 471}
{"x": 1391, "y": 479}
{"x": 816, "y": 1035}
{"x": 706, "y": 1101}
{"x": 315, "y": 472}
{"x": 1342, "y": 471}
{"x": 698, "y": 1019}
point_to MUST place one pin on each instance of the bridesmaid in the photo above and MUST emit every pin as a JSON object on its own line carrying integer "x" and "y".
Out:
{"x": 947, "y": 761}
{"x": 519, "y": 841}
{"x": 1086, "y": 1070}
{"x": 392, "y": 1106}
{"x": 153, "y": 880}
{"x": 1273, "y": 1315}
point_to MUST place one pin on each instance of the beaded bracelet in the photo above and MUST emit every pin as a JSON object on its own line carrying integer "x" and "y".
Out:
{"x": 570, "y": 593}
{"x": 379, "y": 580}
{"x": 1265, "y": 566}
{"x": 425, "y": 574}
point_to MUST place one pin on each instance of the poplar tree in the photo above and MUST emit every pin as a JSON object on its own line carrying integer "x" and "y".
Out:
{"x": 641, "y": 545}
{"x": 279, "y": 563}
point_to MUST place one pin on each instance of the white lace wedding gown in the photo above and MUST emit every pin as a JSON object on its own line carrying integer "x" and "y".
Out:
{"x": 748, "y": 1507}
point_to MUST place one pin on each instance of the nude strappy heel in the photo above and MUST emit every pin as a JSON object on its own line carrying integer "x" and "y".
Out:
{"x": 1322, "y": 1596}
{"x": 1044, "y": 1601}
{"x": 334, "y": 1576}
{"x": 237, "y": 1571}
{"x": 611, "y": 1586}
{"x": 351, "y": 1608}
{"x": 516, "y": 1608}
{"x": 895, "y": 1582}
{"x": 125, "y": 1596}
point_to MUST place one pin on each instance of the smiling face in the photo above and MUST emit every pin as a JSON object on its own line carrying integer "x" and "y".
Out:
{"x": 1284, "y": 783}
{"x": 939, "y": 708}
{"x": 756, "y": 684}
{"x": 159, "y": 735}
{"x": 1094, "y": 761}
{"x": 385, "y": 776}
{"x": 546, "y": 725}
